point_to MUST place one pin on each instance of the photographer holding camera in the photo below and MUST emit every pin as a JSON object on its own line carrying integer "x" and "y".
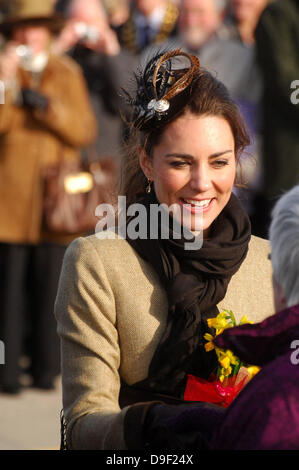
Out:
{"x": 46, "y": 119}
{"x": 87, "y": 24}
{"x": 91, "y": 42}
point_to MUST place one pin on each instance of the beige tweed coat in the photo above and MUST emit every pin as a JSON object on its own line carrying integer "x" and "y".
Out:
{"x": 111, "y": 311}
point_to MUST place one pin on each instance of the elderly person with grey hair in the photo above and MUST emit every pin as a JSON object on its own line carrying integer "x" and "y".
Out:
{"x": 266, "y": 413}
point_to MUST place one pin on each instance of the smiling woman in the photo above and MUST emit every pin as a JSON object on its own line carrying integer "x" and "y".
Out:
{"x": 132, "y": 312}
{"x": 194, "y": 165}
{"x": 205, "y": 97}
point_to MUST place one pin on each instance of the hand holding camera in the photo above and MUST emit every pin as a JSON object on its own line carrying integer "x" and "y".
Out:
{"x": 10, "y": 61}
{"x": 99, "y": 38}
{"x": 108, "y": 43}
{"x": 87, "y": 33}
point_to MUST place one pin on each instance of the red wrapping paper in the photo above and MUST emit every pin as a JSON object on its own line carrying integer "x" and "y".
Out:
{"x": 214, "y": 391}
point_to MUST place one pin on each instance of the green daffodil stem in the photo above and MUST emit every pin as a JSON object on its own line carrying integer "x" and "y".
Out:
{"x": 233, "y": 318}
{"x": 237, "y": 367}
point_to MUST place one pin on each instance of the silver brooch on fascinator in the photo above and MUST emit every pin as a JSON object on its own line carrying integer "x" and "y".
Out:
{"x": 159, "y": 106}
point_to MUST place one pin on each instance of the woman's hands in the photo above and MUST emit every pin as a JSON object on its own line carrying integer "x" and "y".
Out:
{"x": 181, "y": 427}
{"x": 157, "y": 426}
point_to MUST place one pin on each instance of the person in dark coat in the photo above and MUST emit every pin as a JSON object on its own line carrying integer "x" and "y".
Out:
{"x": 277, "y": 39}
{"x": 88, "y": 39}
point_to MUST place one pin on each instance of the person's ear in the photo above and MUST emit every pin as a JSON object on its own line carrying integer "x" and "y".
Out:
{"x": 145, "y": 163}
{"x": 280, "y": 300}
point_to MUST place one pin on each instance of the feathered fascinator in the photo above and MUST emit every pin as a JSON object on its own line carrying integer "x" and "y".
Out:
{"x": 163, "y": 79}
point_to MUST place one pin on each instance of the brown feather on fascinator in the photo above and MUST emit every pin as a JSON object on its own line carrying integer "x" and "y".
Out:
{"x": 162, "y": 79}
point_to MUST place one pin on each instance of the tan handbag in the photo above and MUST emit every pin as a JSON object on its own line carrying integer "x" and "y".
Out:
{"x": 73, "y": 190}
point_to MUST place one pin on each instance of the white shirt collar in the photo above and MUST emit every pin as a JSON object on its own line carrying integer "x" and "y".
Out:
{"x": 155, "y": 20}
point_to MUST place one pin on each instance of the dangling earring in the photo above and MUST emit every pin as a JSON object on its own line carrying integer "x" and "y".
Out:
{"x": 149, "y": 187}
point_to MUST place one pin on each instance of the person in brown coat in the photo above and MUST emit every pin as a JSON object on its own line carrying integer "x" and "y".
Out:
{"x": 46, "y": 117}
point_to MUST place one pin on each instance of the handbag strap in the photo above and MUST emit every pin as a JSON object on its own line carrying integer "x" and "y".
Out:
{"x": 63, "y": 444}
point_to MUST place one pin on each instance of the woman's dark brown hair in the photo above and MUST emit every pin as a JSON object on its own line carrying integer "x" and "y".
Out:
{"x": 176, "y": 91}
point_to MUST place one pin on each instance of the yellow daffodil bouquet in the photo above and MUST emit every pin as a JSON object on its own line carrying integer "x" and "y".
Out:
{"x": 229, "y": 364}
{"x": 232, "y": 374}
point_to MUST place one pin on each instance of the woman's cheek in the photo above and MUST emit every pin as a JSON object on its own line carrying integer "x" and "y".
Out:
{"x": 225, "y": 181}
{"x": 174, "y": 183}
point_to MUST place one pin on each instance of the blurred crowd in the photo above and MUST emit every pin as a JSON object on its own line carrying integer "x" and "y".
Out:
{"x": 64, "y": 64}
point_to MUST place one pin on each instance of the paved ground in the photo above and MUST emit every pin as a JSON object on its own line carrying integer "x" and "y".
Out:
{"x": 30, "y": 420}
